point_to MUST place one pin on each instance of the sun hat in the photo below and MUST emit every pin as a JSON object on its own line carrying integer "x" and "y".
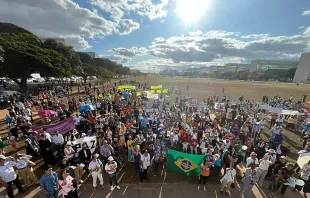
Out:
{"x": 69, "y": 143}
{"x": 2, "y": 157}
{"x": 282, "y": 157}
{"x": 95, "y": 155}
{"x": 110, "y": 158}
{"x": 253, "y": 153}
{"x": 271, "y": 151}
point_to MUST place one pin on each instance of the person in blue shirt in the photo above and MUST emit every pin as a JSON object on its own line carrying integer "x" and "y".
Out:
{"x": 49, "y": 183}
{"x": 218, "y": 164}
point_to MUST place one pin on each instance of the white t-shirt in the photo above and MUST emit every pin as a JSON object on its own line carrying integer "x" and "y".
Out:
{"x": 109, "y": 168}
{"x": 58, "y": 139}
{"x": 93, "y": 165}
{"x": 7, "y": 172}
{"x": 146, "y": 160}
{"x": 264, "y": 164}
{"x": 250, "y": 161}
{"x": 230, "y": 175}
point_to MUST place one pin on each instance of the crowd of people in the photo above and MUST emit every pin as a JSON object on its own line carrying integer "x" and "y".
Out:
{"x": 227, "y": 133}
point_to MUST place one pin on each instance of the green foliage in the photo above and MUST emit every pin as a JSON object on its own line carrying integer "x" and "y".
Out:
{"x": 104, "y": 74}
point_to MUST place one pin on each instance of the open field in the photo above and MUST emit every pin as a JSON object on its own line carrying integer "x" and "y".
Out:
{"x": 203, "y": 87}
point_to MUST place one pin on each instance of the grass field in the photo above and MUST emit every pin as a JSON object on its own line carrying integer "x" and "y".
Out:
{"x": 203, "y": 87}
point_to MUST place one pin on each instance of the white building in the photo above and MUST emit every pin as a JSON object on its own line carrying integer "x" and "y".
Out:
{"x": 303, "y": 68}
{"x": 59, "y": 40}
{"x": 263, "y": 65}
{"x": 236, "y": 67}
{"x": 92, "y": 54}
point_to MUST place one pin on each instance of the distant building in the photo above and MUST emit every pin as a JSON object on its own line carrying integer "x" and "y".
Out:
{"x": 263, "y": 65}
{"x": 92, "y": 54}
{"x": 236, "y": 67}
{"x": 59, "y": 40}
{"x": 216, "y": 68}
{"x": 303, "y": 68}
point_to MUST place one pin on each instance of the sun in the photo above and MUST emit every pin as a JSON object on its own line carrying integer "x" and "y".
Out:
{"x": 191, "y": 10}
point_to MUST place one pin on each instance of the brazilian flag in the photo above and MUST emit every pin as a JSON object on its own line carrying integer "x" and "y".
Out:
{"x": 186, "y": 164}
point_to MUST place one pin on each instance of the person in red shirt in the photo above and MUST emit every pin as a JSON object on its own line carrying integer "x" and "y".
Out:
{"x": 194, "y": 142}
{"x": 92, "y": 121}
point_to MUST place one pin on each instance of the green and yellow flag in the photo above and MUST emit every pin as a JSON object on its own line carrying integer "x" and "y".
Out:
{"x": 186, "y": 164}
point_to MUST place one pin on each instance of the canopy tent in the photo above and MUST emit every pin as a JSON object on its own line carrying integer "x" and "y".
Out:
{"x": 87, "y": 108}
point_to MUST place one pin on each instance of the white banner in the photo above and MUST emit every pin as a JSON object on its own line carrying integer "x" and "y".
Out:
{"x": 219, "y": 106}
{"x": 90, "y": 141}
{"x": 152, "y": 96}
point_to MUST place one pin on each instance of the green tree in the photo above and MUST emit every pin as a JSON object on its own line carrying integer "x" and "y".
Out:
{"x": 68, "y": 52}
{"x": 88, "y": 66}
{"x": 104, "y": 74}
{"x": 122, "y": 70}
{"x": 23, "y": 55}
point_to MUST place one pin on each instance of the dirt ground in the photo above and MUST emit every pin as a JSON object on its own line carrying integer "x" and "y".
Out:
{"x": 203, "y": 87}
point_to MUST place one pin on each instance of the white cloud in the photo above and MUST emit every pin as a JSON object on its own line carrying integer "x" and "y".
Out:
{"x": 306, "y": 13}
{"x": 127, "y": 26}
{"x": 117, "y": 58}
{"x": 56, "y": 18}
{"x": 255, "y": 36}
{"x": 219, "y": 46}
{"x": 196, "y": 33}
{"x": 77, "y": 42}
{"x": 131, "y": 52}
{"x": 301, "y": 27}
{"x": 119, "y": 8}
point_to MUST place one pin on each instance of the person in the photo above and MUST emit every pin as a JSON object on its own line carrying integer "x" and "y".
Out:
{"x": 110, "y": 168}
{"x": 156, "y": 160}
{"x": 8, "y": 176}
{"x": 95, "y": 168}
{"x": 305, "y": 176}
{"x": 228, "y": 179}
{"x": 248, "y": 181}
{"x": 205, "y": 172}
{"x": 68, "y": 185}
{"x": 130, "y": 149}
{"x": 58, "y": 141}
{"x": 69, "y": 151}
{"x": 252, "y": 159}
{"x": 78, "y": 170}
{"x": 85, "y": 155}
{"x": 285, "y": 173}
{"x": 106, "y": 150}
{"x": 46, "y": 150}
{"x": 49, "y": 182}
{"x": 145, "y": 162}
{"x": 262, "y": 169}
{"x": 25, "y": 170}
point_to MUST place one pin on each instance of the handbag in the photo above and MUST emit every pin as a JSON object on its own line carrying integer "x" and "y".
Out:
{"x": 232, "y": 184}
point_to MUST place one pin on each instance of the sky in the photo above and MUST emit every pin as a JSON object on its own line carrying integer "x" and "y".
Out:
{"x": 152, "y": 35}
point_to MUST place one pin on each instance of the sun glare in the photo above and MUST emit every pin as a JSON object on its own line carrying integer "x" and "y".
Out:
{"x": 192, "y": 10}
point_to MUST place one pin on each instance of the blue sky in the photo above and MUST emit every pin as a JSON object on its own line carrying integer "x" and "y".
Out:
{"x": 178, "y": 34}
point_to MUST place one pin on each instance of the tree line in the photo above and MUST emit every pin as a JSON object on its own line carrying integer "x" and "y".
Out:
{"x": 22, "y": 53}
{"x": 270, "y": 74}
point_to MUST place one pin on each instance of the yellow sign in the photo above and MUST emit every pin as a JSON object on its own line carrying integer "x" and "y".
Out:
{"x": 186, "y": 165}
{"x": 139, "y": 93}
{"x": 156, "y": 87}
{"x": 151, "y": 91}
{"x": 165, "y": 90}
{"x": 159, "y": 91}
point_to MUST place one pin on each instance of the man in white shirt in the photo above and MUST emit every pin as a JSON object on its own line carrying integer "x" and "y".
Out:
{"x": 228, "y": 179}
{"x": 262, "y": 169}
{"x": 8, "y": 176}
{"x": 111, "y": 169}
{"x": 58, "y": 140}
{"x": 24, "y": 169}
{"x": 145, "y": 162}
{"x": 252, "y": 159}
{"x": 95, "y": 168}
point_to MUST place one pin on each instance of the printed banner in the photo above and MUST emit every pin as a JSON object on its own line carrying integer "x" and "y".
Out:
{"x": 219, "y": 106}
{"x": 186, "y": 164}
{"x": 63, "y": 127}
{"x": 152, "y": 96}
{"x": 156, "y": 87}
{"x": 139, "y": 93}
{"x": 151, "y": 92}
{"x": 165, "y": 90}
{"x": 159, "y": 91}
{"x": 90, "y": 141}
{"x": 123, "y": 87}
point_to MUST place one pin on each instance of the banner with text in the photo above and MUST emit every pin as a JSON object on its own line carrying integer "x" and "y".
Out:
{"x": 63, "y": 127}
